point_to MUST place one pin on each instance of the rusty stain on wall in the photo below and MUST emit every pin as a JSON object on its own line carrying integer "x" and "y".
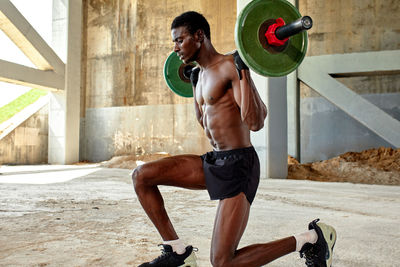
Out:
{"x": 111, "y": 48}
{"x": 128, "y": 42}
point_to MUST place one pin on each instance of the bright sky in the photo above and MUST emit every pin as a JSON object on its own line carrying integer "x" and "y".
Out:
{"x": 39, "y": 15}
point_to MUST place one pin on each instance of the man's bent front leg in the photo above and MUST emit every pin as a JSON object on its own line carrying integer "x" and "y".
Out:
{"x": 182, "y": 171}
{"x": 152, "y": 202}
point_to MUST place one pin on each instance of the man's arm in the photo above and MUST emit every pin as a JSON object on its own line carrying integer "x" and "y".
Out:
{"x": 252, "y": 108}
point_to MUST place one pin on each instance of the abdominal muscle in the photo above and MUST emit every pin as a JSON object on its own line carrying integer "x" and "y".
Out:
{"x": 224, "y": 127}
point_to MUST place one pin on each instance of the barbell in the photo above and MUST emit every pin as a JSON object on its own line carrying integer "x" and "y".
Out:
{"x": 266, "y": 44}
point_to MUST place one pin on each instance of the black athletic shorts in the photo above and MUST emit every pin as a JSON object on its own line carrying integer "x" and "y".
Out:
{"x": 228, "y": 173}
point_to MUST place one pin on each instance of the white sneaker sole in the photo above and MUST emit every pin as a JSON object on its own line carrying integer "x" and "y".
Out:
{"x": 329, "y": 234}
{"x": 190, "y": 261}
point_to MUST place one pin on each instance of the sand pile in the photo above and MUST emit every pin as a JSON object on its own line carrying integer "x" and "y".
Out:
{"x": 372, "y": 166}
{"x": 132, "y": 161}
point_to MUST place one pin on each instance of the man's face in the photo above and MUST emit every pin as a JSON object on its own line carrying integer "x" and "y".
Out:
{"x": 186, "y": 45}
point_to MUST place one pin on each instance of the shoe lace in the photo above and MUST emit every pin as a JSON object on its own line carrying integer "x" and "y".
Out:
{"x": 309, "y": 253}
{"x": 164, "y": 254}
{"x": 308, "y": 257}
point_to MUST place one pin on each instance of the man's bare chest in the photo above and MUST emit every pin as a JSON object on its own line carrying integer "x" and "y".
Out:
{"x": 210, "y": 88}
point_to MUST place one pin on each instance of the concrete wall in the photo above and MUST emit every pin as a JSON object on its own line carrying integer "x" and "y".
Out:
{"x": 347, "y": 27}
{"x": 141, "y": 130}
{"x": 127, "y": 42}
{"x": 125, "y": 47}
{"x": 27, "y": 144}
{"x": 126, "y": 106}
{"x": 354, "y": 26}
{"x": 327, "y": 131}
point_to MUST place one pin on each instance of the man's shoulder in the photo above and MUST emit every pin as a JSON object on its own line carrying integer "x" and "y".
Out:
{"x": 229, "y": 56}
{"x": 227, "y": 61}
{"x": 228, "y": 65}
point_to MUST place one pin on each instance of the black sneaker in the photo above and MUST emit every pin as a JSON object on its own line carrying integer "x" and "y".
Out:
{"x": 320, "y": 253}
{"x": 169, "y": 258}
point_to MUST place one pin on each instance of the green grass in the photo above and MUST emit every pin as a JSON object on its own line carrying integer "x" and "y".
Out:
{"x": 15, "y": 106}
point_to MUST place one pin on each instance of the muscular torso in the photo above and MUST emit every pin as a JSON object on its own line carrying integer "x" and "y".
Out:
{"x": 218, "y": 110}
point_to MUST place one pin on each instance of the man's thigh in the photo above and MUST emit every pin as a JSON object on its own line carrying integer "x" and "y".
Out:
{"x": 230, "y": 223}
{"x": 182, "y": 171}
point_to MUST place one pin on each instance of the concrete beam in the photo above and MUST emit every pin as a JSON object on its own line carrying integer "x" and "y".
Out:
{"x": 313, "y": 73}
{"x": 22, "y": 75}
{"x": 293, "y": 110}
{"x": 19, "y": 30}
{"x": 73, "y": 80}
{"x": 64, "y": 115}
{"x": 358, "y": 64}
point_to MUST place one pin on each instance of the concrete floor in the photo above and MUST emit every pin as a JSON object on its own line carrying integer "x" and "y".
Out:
{"x": 89, "y": 216}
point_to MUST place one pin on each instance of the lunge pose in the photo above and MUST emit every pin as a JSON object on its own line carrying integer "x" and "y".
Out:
{"x": 228, "y": 107}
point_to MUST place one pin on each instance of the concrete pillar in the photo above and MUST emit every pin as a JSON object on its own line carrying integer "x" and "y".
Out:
{"x": 259, "y": 139}
{"x": 293, "y": 110}
{"x": 64, "y": 117}
{"x": 277, "y": 137}
{"x": 271, "y": 142}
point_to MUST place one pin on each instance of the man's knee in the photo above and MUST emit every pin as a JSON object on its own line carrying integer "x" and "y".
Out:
{"x": 138, "y": 177}
{"x": 220, "y": 260}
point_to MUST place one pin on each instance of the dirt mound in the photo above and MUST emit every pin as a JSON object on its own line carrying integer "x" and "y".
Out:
{"x": 132, "y": 161}
{"x": 385, "y": 159}
{"x": 372, "y": 166}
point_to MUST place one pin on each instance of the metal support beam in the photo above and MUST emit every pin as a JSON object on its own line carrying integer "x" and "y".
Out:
{"x": 314, "y": 72}
{"x": 19, "y": 30}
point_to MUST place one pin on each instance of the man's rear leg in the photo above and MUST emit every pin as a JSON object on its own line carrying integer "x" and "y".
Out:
{"x": 230, "y": 223}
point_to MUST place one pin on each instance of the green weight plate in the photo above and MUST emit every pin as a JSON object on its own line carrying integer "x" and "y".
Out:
{"x": 174, "y": 76}
{"x": 264, "y": 59}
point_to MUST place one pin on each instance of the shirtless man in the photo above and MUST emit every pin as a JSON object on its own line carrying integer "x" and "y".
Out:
{"x": 227, "y": 106}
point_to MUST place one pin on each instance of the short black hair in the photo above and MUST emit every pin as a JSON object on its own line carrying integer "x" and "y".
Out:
{"x": 193, "y": 21}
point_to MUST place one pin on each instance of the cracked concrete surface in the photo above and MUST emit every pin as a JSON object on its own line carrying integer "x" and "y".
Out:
{"x": 89, "y": 216}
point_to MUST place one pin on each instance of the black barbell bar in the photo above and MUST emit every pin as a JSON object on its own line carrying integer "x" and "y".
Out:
{"x": 293, "y": 28}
